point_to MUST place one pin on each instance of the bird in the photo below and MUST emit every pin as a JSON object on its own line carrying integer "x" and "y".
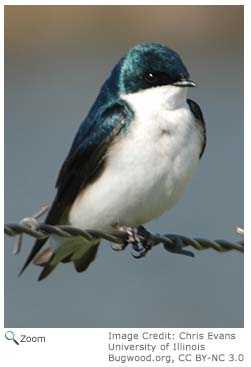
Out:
{"x": 133, "y": 156}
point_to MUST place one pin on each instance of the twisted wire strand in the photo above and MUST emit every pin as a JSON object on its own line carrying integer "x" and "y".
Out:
{"x": 171, "y": 242}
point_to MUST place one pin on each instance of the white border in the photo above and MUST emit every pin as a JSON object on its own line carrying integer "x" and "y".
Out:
{"x": 92, "y": 341}
{"x": 2, "y": 167}
{"x": 128, "y": 2}
{"x": 247, "y": 153}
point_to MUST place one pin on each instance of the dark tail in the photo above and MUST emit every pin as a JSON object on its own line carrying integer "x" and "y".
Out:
{"x": 84, "y": 255}
{"x": 53, "y": 218}
{"x": 35, "y": 250}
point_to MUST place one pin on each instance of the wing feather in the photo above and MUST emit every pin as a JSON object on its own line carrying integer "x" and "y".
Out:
{"x": 84, "y": 163}
{"x": 195, "y": 109}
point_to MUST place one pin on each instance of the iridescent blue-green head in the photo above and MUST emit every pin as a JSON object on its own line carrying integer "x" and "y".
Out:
{"x": 145, "y": 66}
{"x": 149, "y": 65}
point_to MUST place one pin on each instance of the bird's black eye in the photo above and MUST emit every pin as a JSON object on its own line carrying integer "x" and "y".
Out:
{"x": 150, "y": 77}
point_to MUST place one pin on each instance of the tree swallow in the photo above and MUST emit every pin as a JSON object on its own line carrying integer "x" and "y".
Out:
{"x": 134, "y": 154}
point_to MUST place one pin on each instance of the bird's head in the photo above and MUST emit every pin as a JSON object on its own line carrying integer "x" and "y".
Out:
{"x": 150, "y": 69}
{"x": 150, "y": 65}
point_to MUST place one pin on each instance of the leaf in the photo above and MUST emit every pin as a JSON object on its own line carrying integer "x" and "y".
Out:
{"x": 84, "y": 256}
{"x": 73, "y": 247}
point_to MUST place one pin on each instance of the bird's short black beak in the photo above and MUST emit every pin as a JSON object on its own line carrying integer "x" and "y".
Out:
{"x": 185, "y": 83}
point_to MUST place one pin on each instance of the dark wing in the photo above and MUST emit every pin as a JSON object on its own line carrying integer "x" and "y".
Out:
{"x": 195, "y": 109}
{"x": 84, "y": 162}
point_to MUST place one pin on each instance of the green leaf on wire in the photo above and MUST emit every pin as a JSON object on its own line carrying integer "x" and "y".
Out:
{"x": 77, "y": 248}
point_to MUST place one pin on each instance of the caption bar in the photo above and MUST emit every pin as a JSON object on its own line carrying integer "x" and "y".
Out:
{"x": 180, "y": 348}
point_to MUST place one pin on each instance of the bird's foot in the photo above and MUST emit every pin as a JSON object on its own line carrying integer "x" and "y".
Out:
{"x": 143, "y": 243}
{"x": 120, "y": 246}
{"x": 139, "y": 238}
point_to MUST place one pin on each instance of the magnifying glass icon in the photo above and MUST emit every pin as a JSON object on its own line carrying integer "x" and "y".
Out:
{"x": 9, "y": 335}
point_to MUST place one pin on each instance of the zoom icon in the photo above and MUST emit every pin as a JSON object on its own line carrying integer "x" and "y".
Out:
{"x": 9, "y": 335}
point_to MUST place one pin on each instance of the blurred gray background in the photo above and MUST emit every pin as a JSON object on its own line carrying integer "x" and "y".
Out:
{"x": 56, "y": 58}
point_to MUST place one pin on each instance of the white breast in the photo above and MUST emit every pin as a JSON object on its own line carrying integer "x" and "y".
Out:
{"x": 149, "y": 166}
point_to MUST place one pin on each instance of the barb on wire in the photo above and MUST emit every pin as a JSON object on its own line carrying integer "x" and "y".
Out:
{"x": 142, "y": 240}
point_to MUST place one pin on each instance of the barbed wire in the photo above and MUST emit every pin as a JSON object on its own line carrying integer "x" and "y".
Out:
{"x": 174, "y": 243}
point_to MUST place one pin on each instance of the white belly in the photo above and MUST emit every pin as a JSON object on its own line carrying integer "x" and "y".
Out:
{"x": 147, "y": 170}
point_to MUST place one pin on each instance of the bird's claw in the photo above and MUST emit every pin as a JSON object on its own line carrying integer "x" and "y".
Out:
{"x": 139, "y": 238}
{"x": 141, "y": 253}
{"x": 143, "y": 248}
